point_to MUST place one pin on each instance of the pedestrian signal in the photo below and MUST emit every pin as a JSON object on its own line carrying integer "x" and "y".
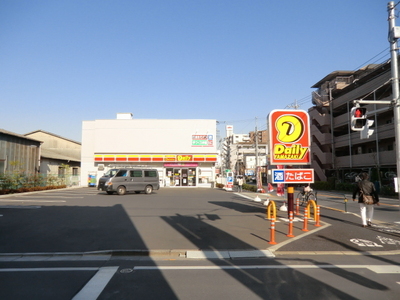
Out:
{"x": 358, "y": 118}
{"x": 366, "y": 133}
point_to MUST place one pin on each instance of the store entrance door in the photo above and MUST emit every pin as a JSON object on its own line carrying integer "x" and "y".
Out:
{"x": 181, "y": 176}
{"x": 184, "y": 177}
{"x": 177, "y": 177}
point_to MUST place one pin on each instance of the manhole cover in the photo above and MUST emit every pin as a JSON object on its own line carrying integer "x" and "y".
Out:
{"x": 125, "y": 271}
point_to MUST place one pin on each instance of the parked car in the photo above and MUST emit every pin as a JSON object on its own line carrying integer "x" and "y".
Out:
{"x": 125, "y": 180}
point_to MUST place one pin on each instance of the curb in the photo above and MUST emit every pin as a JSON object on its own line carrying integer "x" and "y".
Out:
{"x": 126, "y": 254}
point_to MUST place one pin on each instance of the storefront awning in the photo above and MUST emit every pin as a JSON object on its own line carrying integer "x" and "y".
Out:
{"x": 155, "y": 157}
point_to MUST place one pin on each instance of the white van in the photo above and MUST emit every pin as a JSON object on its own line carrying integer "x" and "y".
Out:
{"x": 125, "y": 180}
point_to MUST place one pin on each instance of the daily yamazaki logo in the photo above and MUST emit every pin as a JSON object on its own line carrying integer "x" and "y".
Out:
{"x": 184, "y": 157}
{"x": 289, "y": 137}
{"x": 289, "y": 130}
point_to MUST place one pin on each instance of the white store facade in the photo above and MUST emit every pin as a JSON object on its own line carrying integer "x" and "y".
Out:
{"x": 183, "y": 151}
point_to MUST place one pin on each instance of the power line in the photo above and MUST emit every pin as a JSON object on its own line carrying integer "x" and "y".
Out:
{"x": 385, "y": 50}
{"x": 297, "y": 103}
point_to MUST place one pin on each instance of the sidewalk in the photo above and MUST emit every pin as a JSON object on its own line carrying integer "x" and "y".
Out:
{"x": 339, "y": 232}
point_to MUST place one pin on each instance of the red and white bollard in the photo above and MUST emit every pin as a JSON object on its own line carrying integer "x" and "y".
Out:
{"x": 318, "y": 215}
{"x": 305, "y": 218}
{"x": 290, "y": 234}
{"x": 272, "y": 232}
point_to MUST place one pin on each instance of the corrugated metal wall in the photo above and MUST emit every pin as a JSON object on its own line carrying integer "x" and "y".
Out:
{"x": 18, "y": 154}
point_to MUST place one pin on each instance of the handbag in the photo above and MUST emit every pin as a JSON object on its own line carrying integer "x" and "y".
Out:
{"x": 368, "y": 200}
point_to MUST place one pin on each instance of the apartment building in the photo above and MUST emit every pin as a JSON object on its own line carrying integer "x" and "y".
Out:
{"x": 339, "y": 152}
{"x": 242, "y": 153}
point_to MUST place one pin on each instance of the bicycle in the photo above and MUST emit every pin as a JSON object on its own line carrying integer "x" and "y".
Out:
{"x": 304, "y": 197}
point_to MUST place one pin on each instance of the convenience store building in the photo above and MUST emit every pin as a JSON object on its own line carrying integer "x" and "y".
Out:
{"x": 183, "y": 151}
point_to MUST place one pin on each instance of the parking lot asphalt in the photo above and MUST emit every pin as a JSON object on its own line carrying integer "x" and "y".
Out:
{"x": 333, "y": 233}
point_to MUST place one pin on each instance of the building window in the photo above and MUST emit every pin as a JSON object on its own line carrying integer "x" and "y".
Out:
{"x": 75, "y": 171}
{"x": 61, "y": 172}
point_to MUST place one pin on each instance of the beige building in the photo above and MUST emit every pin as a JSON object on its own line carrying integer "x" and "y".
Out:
{"x": 58, "y": 155}
{"x": 339, "y": 152}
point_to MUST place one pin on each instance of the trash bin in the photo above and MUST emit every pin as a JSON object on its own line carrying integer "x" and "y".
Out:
{"x": 212, "y": 184}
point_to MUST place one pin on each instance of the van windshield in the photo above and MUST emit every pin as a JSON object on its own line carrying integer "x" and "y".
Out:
{"x": 110, "y": 173}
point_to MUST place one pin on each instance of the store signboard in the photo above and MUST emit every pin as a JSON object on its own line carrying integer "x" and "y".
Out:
{"x": 184, "y": 157}
{"x": 289, "y": 137}
{"x": 202, "y": 140}
{"x": 181, "y": 165}
{"x": 292, "y": 175}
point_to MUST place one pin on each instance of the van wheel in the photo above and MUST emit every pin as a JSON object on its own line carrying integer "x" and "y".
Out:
{"x": 148, "y": 189}
{"x": 121, "y": 190}
{"x": 110, "y": 193}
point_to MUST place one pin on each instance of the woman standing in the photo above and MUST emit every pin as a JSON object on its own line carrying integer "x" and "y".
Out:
{"x": 367, "y": 188}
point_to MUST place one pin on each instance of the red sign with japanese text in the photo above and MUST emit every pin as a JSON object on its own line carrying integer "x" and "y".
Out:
{"x": 289, "y": 137}
{"x": 292, "y": 175}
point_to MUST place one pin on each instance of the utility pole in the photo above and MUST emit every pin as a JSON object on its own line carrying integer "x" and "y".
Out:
{"x": 256, "y": 143}
{"x": 394, "y": 34}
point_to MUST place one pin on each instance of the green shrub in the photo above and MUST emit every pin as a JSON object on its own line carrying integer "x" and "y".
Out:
{"x": 388, "y": 190}
{"x": 30, "y": 189}
{"x": 249, "y": 187}
{"x": 322, "y": 185}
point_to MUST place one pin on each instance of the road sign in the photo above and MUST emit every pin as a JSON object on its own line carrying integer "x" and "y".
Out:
{"x": 229, "y": 181}
{"x": 289, "y": 132}
{"x": 292, "y": 175}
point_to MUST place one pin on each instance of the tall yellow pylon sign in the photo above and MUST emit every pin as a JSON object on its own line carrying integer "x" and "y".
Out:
{"x": 289, "y": 142}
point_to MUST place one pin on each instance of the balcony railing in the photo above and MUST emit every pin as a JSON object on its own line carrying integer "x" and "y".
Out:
{"x": 366, "y": 160}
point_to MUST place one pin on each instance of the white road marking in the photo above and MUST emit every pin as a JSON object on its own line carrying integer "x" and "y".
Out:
{"x": 228, "y": 254}
{"x": 19, "y": 206}
{"x": 57, "y": 201}
{"x": 96, "y": 285}
{"x": 91, "y": 290}
{"x": 365, "y": 243}
{"x": 42, "y": 196}
{"x": 388, "y": 241}
{"x": 380, "y": 269}
{"x": 49, "y": 269}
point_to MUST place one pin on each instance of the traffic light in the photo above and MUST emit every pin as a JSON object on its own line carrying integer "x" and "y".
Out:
{"x": 366, "y": 132}
{"x": 259, "y": 136}
{"x": 358, "y": 118}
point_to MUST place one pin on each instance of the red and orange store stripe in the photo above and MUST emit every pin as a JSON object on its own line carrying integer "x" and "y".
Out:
{"x": 155, "y": 157}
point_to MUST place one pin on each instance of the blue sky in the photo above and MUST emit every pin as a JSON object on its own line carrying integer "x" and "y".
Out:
{"x": 63, "y": 62}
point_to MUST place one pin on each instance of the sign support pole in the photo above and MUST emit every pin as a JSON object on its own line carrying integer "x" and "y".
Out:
{"x": 290, "y": 197}
{"x": 395, "y": 82}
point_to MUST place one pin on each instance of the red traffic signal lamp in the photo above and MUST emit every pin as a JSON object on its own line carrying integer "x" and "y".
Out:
{"x": 358, "y": 118}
